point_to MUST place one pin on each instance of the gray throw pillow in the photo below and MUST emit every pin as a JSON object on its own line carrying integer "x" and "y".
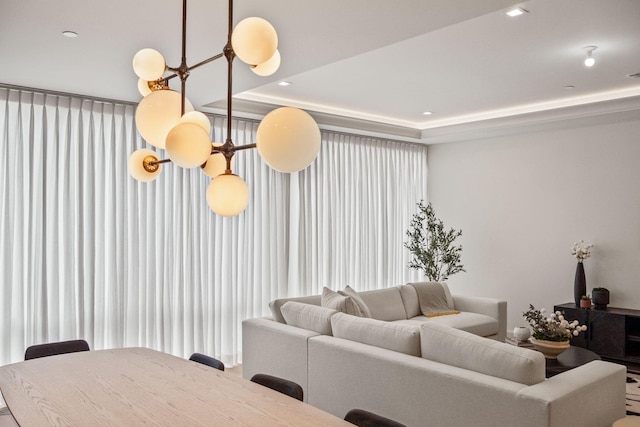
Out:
{"x": 308, "y": 316}
{"x": 350, "y": 292}
{"x": 342, "y": 303}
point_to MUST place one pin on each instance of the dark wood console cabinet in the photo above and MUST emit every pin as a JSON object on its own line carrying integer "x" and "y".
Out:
{"x": 613, "y": 333}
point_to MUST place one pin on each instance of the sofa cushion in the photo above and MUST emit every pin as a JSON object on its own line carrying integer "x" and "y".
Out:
{"x": 385, "y": 304}
{"x": 357, "y": 299}
{"x": 392, "y": 336}
{"x": 308, "y": 316}
{"x": 477, "y": 324}
{"x": 343, "y": 303}
{"x": 409, "y": 297}
{"x": 448, "y": 345}
{"x": 276, "y": 304}
{"x": 474, "y": 323}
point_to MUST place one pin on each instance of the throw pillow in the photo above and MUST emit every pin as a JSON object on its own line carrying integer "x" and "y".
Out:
{"x": 350, "y": 292}
{"x": 308, "y": 316}
{"x": 343, "y": 303}
{"x": 378, "y": 333}
{"x": 453, "y": 347}
{"x": 433, "y": 299}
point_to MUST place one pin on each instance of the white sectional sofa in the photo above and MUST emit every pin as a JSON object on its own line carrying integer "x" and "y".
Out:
{"x": 425, "y": 372}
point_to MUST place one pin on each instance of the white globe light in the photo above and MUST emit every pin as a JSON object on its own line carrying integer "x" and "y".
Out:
{"x": 254, "y": 40}
{"x": 268, "y": 67}
{"x": 137, "y": 165}
{"x": 188, "y": 145}
{"x": 198, "y": 118}
{"x": 148, "y": 64}
{"x": 143, "y": 87}
{"x": 288, "y": 139}
{"x": 228, "y": 195}
{"x": 216, "y": 164}
{"x": 157, "y": 113}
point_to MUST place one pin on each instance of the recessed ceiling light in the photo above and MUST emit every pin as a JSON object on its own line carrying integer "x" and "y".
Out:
{"x": 70, "y": 34}
{"x": 634, "y": 76}
{"x": 284, "y": 84}
{"x": 569, "y": 87}
{"x": 427, "y": 113}
{"x": 516, "y": 12}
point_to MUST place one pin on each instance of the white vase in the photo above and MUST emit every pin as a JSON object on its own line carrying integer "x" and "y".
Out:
{"x": 521, "y": 333}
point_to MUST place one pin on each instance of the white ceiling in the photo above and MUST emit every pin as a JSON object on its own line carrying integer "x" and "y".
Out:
{"x": 375, "y": 65}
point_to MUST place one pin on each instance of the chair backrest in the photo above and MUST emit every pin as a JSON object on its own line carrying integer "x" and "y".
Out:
{"x": 53, "y": 348}
{"x": 207, "y": 360}
{"x": 363, "y": 418}
{"x": 279, "y": 384}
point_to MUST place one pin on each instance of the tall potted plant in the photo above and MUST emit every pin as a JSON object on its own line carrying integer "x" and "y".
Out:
{"x": 432, "y": 246}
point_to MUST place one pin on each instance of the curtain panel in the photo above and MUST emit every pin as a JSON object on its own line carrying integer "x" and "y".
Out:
{"x": 88, "y": 252}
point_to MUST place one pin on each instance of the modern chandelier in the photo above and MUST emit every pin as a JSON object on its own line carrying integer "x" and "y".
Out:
{"x": 287, "y": 139}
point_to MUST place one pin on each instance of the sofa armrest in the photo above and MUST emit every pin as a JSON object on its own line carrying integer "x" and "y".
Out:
{"x": 270, "y": 347}
{"x": 597, "y": 384}
{"x": 488, "y": 306}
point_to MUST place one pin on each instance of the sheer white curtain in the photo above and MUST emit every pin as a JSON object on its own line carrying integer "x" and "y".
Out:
{"x": 349, "y": 213}
{"x": 86, "y": 251}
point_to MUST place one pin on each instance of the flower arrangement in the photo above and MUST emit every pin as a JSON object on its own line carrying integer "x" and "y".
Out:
{"x": 553, "y": 327}
{"x": 581, "y": 250}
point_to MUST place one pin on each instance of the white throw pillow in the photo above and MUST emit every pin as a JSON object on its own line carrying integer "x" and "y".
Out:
{"x": 343, "y": 303}
{"x": 451, "y": 346}
{"x": 392, "y": 336}
{"x": 276, "y": 304}
{"x": 349, "y": 291}
{"x": 308, "y": 316}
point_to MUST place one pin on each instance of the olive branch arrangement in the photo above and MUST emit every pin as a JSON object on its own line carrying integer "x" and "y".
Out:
{"x": 432, "y": 246}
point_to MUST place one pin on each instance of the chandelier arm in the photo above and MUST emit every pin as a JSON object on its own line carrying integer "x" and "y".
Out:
{"x": 229, "y": 54}
{"x": 174, "y": 75}
{"x": 184, "y": 31}
{"x": 228, "y": 158}
{"x": 160, "y": 161}
{"x": 183, "y": 71}
{"x": 243, "y": 147}
{"x": 206, "y": 61}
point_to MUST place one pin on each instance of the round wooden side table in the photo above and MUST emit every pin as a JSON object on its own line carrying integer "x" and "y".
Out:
{"x": 570, "y": 358}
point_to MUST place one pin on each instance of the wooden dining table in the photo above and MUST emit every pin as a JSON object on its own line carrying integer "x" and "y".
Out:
{"x": 140, "y": 386}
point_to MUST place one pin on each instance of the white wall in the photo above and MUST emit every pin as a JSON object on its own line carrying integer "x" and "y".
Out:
{"x": 522, "y": 200}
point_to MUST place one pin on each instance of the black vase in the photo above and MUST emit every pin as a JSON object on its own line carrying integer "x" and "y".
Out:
{"x": 579, "y": 284}
{"x": 600, "y": 299}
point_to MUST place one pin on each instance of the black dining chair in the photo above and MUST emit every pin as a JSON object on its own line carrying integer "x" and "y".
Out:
{"x": 279, "y": 384}
{"x": 207, "y": 360}
{"x": 53, "y": 348}
{"x": 363, "y": 418}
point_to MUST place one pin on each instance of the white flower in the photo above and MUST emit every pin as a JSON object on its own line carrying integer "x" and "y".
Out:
{"x": 581, "y": 250}
{"x": 553, "y": 327}
{"x": 543, "y": 310}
